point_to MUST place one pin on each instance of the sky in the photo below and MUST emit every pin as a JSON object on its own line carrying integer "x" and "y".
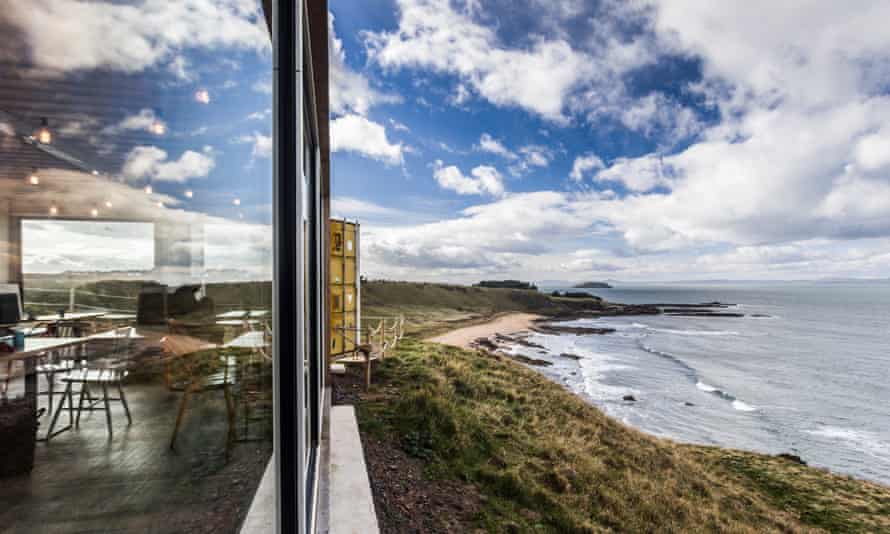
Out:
{"x": 534, "y": 139}
{"x": 171, "y": 96}
{"x": 586, "y": 140}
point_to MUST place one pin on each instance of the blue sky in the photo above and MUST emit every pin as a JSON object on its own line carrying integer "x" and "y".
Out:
{"x": 533, "y": 139}
{"x": 651, "y": 140}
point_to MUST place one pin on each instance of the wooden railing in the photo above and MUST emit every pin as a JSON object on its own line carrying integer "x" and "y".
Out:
{"x": 384, "y": 333}
{"x": 381, "y": 334}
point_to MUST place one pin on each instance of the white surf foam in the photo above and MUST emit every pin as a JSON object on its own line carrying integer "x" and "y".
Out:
{"x": 705, "y": 387}
{"x": 695, "y": 332}
{"x": 868, "y": 442}
{"x": 743, "y": 406}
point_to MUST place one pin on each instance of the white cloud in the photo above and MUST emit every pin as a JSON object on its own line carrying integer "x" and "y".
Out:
{"x": 590, "y": 261}
{"x": 461, "y": 95}
{"x": 151, "y": 162}
{"x": 655, "y": 114}
{"x": 584, "y": 164}
{"x": 872, "y": 151}
{"x": 143, "y": 120}
{"x": 352, "y": 207}
{"x": 799, "y": 153}
{"x": 483, "y": 180}
{"x": 432, "y": 34}
{"x": 262, "y": 86}
{"x": 355, "y": 133}
{"x": 637, "y": 174}
{"x": 179, "y": 66}
{"x": 350, "y": 91}
{"x": 144, "y": 35}
{"x": 262, "y": 144}
{"x": 260, "y": 115}
{"x": 523, "y": 159}
{"x": 398, "y": 126}
{"x": 491, "y": 237}
{"x": 536, "y": 155}
{"x": 487, "y": 143}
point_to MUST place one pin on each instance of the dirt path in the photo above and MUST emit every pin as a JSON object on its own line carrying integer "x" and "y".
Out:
{"x": 508, "y": 324}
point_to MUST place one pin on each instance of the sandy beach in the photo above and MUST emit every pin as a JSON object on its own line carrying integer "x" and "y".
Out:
{"x": 507, "y": 324}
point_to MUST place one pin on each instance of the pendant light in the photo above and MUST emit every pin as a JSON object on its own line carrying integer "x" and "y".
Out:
{"x": 43, "y": 134}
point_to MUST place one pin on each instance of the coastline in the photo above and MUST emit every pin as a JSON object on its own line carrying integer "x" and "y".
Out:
{"x": 506, "y": 325}
{"x": 502, "y": 333}
{"x": 500, "y": 436}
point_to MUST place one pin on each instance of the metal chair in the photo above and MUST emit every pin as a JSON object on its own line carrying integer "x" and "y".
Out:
{"x": 87, "y": 378}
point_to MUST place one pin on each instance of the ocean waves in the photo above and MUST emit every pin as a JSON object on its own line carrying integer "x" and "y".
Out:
{"x": 692, "y": 374}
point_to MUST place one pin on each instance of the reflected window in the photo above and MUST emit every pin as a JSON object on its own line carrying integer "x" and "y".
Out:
{"x": 135, "y": 223}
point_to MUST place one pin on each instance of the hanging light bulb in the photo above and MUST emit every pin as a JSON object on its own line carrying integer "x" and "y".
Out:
{"x": 236, "y": 202}
{"x": 202, "y": 96}
{"x": 160, "y": 204}
{"x": 94, "y": 212}
{"x": 148, "y": 189}
{"x": 189, "y": 193}
{"x": 108, "y": 204}
{"x": 158, "y": 127}
{"x": 53, "y": 210}
{"x": 43, "y": 134}
{"x": 33, "y": 179}
{"x": 95, "y": 172}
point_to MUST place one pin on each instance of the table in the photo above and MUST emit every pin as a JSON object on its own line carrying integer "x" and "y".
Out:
{"x": 238, "y": 322}
{"x": 250, "y": 340}
{"x": 116, "y": 316}
{"x": 236, "y": 314}
{"x": 69, "y": 316}
{"x": 115, "y": 334}
{"x": 34, "y": 347}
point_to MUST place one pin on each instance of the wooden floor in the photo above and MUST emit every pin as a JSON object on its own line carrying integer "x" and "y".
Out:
{"x": 84, "y": 482}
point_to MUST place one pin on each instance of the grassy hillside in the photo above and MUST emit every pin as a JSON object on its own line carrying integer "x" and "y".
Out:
{"x": 431, "y": 308}
{"x": 541, "y": 459}
{"x": 460, "y": 441}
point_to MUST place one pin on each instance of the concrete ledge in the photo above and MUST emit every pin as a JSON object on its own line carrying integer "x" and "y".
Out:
{"x": 261, "y": 516}
{"x": 351, "y": 500}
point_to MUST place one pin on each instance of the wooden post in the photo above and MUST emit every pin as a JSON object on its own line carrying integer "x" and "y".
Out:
{"x": 367, "y": 370}
{"x": 382, "y": 338}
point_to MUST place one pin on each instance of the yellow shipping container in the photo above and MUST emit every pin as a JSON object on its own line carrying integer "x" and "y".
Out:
{"x": 345, "y": 288}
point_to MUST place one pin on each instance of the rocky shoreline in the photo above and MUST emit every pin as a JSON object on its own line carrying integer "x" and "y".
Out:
{"x": 595, "y": 307}
{"x": 501, "y": 344}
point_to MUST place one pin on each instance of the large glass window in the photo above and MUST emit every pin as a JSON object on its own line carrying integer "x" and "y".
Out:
{"x": 136, "y": 253}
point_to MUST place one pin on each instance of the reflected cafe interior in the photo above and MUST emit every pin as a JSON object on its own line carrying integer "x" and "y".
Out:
{"x": 215, "y": 411}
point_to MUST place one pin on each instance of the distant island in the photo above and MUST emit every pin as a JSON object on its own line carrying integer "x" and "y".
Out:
{"x": 592, "y": 285}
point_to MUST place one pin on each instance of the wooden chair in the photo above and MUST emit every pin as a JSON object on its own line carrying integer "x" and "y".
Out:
{"x": 195, "y": 366}
{"x": 253, "y": 371}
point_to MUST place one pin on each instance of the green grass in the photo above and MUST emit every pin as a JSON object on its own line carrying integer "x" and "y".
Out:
{"x": 547, "y": 461}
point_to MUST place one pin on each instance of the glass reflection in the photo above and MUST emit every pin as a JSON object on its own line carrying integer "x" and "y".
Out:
{"x": 135, "y": 264}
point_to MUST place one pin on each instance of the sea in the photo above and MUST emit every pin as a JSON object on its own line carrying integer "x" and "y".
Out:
{"x": 806, "y": 371}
